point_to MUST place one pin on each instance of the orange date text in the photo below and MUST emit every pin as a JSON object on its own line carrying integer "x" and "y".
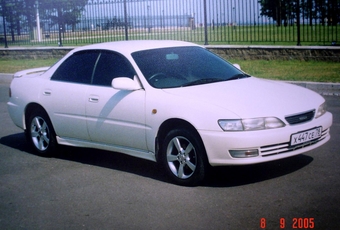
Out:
{"x": 294, "y": 223}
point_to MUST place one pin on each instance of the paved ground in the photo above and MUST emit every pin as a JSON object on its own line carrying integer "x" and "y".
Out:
{"x": 91, "y": 189}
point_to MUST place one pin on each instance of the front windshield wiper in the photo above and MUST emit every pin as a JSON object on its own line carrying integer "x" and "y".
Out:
{"x": 238, "y": 76}
{"x": 203, "y": 81}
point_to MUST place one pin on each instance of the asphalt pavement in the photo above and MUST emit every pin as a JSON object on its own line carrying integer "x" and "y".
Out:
{"x": 5, "y": 78}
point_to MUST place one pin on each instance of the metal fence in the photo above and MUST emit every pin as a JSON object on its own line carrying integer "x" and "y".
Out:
{"x": 284, "y": 22}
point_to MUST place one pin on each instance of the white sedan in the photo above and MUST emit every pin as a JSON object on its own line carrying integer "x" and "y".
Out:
{"x": 171, "y": 102}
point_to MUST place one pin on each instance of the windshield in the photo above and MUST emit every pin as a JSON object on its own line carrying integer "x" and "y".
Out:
{"x": 184, "y": 66}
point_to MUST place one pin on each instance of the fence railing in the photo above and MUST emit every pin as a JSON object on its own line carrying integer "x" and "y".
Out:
{"x": 289, "y": 22}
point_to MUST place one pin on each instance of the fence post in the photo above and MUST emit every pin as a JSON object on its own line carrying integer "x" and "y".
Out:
{"x": 38, "y": 21}
{"x": 60, "y": 25}
{"x": 298, "y": 23}
{"x": 205, "y": 23}
{"x": 4, "y": 22}
{"x": 126, "y": 21}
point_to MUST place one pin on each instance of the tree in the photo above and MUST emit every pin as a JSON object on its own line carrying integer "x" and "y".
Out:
{"x": 323, "y": 11}
{"x": 29, "y": 13}
{"x": 279, "y": 10}
{"x": 12, "y": 11}
{"x": 333, "y": 12}
{"x": 23, "y": 12}
{"x": 63, "y": 12}
{"x": 72, "y": 18}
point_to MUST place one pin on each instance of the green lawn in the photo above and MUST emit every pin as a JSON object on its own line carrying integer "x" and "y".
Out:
{"x": 12, "y": 66}
{"x": 292, "y": 70}
{"x": 239, "y": 35}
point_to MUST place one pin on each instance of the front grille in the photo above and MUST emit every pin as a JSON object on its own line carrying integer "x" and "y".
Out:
{"x": 285, "y": 147}
{"x": 300, "y": 118}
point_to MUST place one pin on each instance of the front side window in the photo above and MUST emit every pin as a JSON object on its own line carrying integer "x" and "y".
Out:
{"x": 78, "y": 68}
{"x": 111, "y": 65}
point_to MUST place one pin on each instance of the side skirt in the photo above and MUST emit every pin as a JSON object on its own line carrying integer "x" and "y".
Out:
{"x": 113, "y": 148}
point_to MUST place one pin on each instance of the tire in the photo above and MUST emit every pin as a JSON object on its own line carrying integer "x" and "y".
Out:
{"x": 40, "y": 133}
{"x": 183, "y": 157}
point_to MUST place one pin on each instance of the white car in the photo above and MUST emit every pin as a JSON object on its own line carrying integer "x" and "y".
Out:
{"x": 171, "y": 102}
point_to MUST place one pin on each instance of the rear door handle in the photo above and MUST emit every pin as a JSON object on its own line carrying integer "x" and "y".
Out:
{"x": 47, "y": 93}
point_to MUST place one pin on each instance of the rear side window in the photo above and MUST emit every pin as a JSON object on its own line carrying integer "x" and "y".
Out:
{"x": 78, "y": 68}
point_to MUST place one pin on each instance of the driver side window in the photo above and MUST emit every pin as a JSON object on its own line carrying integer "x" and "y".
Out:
{"x": 111, "y": 65}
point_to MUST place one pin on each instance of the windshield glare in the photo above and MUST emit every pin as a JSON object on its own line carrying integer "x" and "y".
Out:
{"x": 184, "y": 66}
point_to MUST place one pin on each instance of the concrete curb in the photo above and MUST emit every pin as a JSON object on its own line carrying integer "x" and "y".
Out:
{"x": 325, "y": 89}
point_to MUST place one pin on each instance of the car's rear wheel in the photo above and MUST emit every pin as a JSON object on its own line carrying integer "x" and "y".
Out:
{"x": 183, "y": 157}
{"x": 40, "y": 133}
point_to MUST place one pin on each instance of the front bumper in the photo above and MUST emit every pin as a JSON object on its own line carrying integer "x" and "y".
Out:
{"x": 272, "y": 144}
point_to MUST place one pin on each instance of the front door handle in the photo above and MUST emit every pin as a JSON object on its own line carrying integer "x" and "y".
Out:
{"x": 93, "y": 99}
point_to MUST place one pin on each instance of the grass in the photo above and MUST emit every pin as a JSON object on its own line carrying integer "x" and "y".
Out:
{"x": 12, "y": 66}
{"x": 239, "y": 35}
{"x": 292, "y": 70}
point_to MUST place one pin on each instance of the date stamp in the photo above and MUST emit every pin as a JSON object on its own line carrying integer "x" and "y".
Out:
{"x": 293, "y": 223}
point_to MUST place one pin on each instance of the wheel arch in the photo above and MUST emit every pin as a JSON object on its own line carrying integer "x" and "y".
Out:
{"x": 44, "y": 140}
{"x": 29, "y": 109}
{"x": 169, "y": 125}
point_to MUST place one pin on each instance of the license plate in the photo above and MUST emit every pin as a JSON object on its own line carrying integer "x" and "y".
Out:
{"x": 305, "y": 136}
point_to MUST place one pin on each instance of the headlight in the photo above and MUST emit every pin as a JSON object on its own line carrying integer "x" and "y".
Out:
{"x": 251, "y": 124}
{"x": 321, "y": 110}
{"x": 231, "y": 125}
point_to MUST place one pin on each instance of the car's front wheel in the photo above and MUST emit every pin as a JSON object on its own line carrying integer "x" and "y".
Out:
{"x": 40, "y": 133}
{"x": 183, "y": 157}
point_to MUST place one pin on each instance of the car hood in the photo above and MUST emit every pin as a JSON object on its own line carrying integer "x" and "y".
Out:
{"x": 252, "y": 97}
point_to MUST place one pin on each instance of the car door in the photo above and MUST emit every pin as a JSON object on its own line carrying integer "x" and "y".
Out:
{"x": 115, "y": 117}
{"x": 64, "y": 96}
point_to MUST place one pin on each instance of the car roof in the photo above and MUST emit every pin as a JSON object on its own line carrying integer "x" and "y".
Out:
{"x": 128, "y": 47}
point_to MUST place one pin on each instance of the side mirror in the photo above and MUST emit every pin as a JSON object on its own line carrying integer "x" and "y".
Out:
{"x": 237, "y": 66}
{"x": 125, "y": 83}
